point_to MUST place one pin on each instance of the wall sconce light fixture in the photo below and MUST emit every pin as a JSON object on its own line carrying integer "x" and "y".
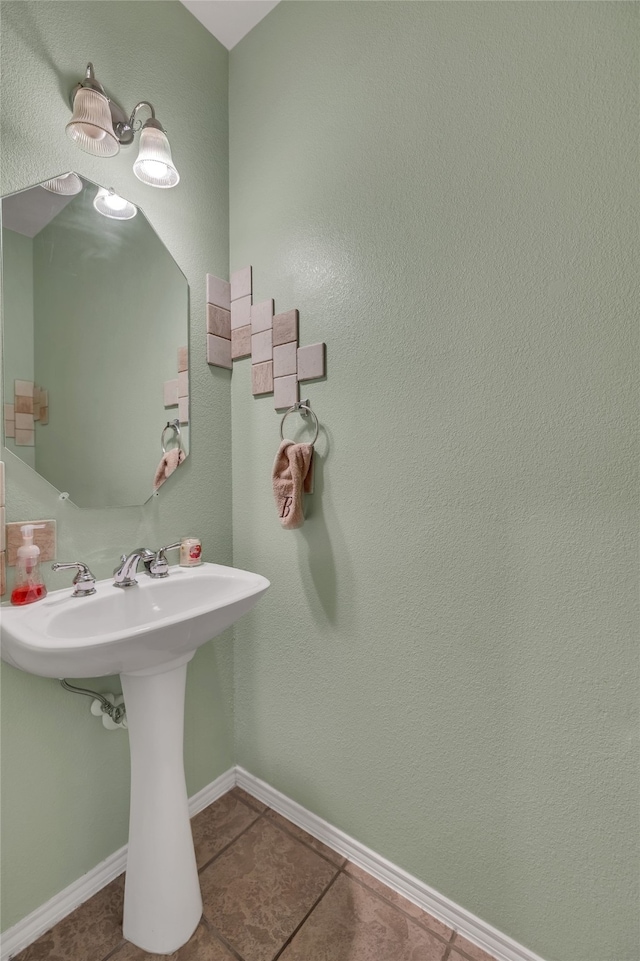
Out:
{"x": 99, "y": 126}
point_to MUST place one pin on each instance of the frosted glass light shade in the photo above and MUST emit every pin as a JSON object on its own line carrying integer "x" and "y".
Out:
{"x": 110, "y": 204}
{"x": 90, "y": 127}
{"x": 68, "y": 185}
{"x": 154, "y": 165}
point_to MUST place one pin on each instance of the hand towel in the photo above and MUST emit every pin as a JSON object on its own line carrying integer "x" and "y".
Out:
{"x": 170, "y": 460}
{"x": 291, "y": 476}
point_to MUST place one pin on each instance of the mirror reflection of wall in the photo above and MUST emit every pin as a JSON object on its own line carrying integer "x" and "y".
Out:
{"x": 96, "y": 314}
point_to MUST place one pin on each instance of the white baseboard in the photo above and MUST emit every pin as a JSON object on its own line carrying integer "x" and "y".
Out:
{"x": 499, "y": 945}
{"x": 29, "y": 929}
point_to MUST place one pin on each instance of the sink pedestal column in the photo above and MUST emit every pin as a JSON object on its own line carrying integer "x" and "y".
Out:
{"x": 162, "y": 902}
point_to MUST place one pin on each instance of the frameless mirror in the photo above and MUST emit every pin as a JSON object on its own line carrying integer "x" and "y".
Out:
{"x": 95, "y": 335}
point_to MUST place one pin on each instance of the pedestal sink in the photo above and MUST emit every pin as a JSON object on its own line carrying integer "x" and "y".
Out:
{"x": 147, "y": 634}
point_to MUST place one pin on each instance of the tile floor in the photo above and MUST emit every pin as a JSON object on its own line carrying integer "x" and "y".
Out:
{"x": 270, "y": 892}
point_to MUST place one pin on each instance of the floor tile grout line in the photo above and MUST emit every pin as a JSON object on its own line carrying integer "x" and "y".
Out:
{"x": 421, "y": 924}
{"x": 301, "y": 841}
{"x": 307, "y": 916}
{"x": 113, "y": 951}
{"x": 228, "y": 845}
{"x": 220, "y": 937}
{"x": 463, "y": 954}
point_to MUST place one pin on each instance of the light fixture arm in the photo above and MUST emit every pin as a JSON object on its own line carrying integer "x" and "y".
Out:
{"x": 151, "y": 122}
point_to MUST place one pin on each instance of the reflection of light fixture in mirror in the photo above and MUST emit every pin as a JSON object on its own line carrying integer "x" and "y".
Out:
{"x": 110, "y": 204}
{"x": 99, "y": 126}
{"x": 68, "y": 184}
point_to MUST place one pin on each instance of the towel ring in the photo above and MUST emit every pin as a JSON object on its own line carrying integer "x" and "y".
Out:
{"x": 299, "y": 408}
{"x": 175, "y": 426}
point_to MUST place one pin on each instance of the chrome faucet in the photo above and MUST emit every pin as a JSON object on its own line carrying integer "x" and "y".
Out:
{"x": 84, "y": 583}
{"x": 125, "y": 574}
{"x": 158, "y": 566}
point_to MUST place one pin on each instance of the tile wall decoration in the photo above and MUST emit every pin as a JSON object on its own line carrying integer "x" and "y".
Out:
{"x": 30, "y": 404}
{"x": 236, "y": 328}
{"x": 176, "y": 391}
{"x": 3, "y": 535}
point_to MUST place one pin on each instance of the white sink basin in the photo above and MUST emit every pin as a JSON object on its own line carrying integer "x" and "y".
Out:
{"x": 147, "y": 634}
{"x": 118, "y": 630}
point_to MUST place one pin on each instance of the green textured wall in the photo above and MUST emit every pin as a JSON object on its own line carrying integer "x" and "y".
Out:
{"x": 445, "y": 666}
{"x": 65, "y": 780}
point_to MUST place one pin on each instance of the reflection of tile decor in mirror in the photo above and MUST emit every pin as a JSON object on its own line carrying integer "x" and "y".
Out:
{"x": 96, "y": 309}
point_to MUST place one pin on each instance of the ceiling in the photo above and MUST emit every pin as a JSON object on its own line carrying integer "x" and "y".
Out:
{"x": 229, "y": 20}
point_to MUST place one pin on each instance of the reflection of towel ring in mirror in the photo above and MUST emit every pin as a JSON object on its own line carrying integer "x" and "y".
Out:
{"x": 171, "y": 425}
{"x": 301, "y": 409}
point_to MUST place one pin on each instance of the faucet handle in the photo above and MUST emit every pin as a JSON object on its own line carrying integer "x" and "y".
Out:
{"x": 84, "y": 583}
{"x": 159, "y": 566}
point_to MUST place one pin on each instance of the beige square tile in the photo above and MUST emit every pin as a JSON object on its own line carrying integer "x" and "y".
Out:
{"x": 183, "y": 410}
{"x": 407, "y": 907}
{"x": 261, "y": 316}
{"x": 352, "y": 922}
{"x": 9, "y": 428}
{"x": 23, "y": 387}
{"x": 170, "y": 392}
{"x": 285, "y": 391}
{"x": 218, "y": 351}
{"x": 44, "y": 415}
{"x": 262, "y": 378}
{"x": 260, "y": 889}
{"x": 241, "y": 283}
{"x": 311, "y": 362}
{"x": 183, "y": 359}
{"x": 470, "y": 951}
{"x": 285, "y": 359}
{"x": 307, "y": 839}
{"x": 240, "y": 312}
{"x": 87, "y": 934}
{"x": 23, "y": 404}
{"x": 10, "y": 411}
{"x": 217, "y": 825}
{"x": 3, "y": 573}
{"x": 45, "y": 538}
{"x": 218, "y": 292}
{"x": 261, "y": 349}
{"x": 218, "y": 321}
{"x": 285, "y": 327}
{"x": 183, "y": 384}
{"x": 3, "y": 530}
{"x": 2, "y": 487}
{"x": 241, "y": 342}
{"x": 25, "y": 438}
{"x": 24, "y": 421}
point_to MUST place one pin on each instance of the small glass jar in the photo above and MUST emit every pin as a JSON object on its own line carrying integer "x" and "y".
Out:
{"x": 190, "y": 551}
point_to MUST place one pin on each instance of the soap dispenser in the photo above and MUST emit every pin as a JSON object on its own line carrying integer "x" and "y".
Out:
{"x": 29, "y": 585}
